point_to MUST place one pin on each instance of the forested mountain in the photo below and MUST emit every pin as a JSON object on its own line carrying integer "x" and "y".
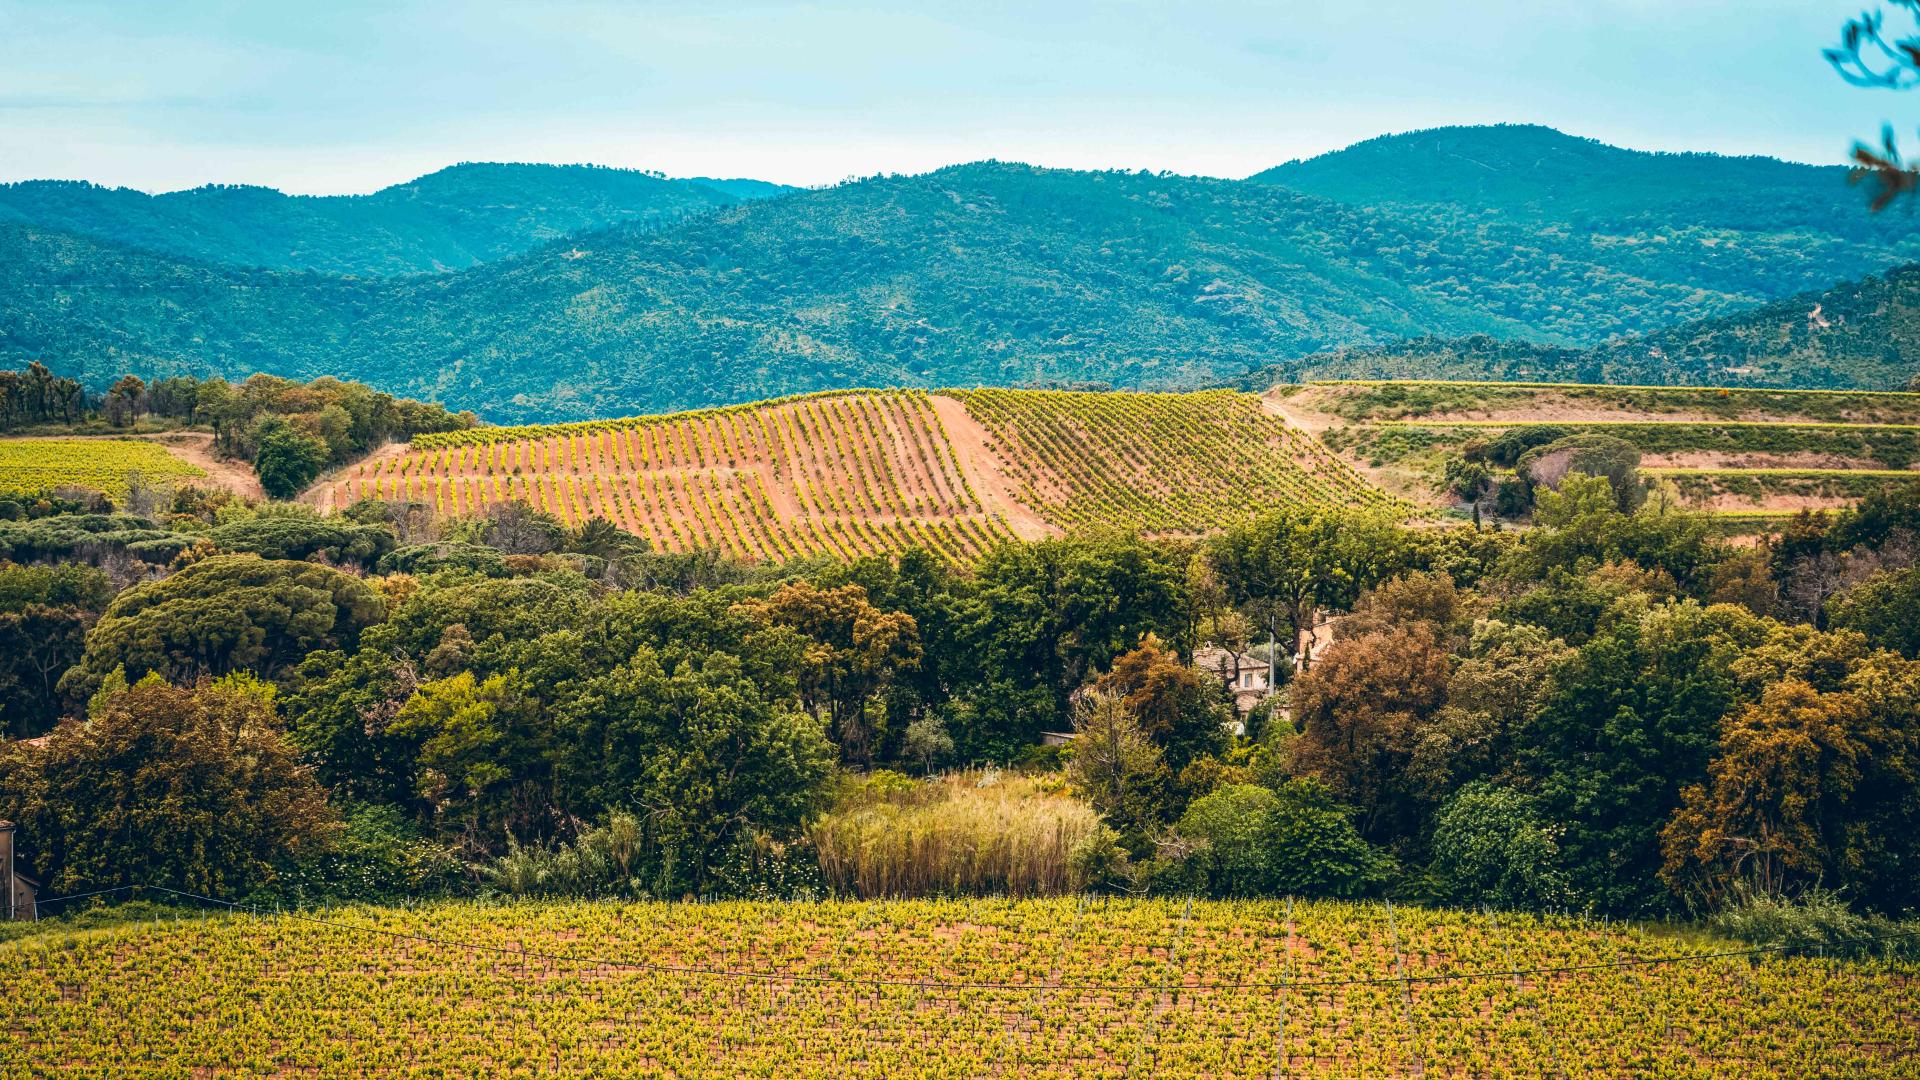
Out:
{"x": 981, "y": 274}
{"x": 1860, "y": 334}
{"x": 457, "y": 217}
{"x": 1530, "y": 173}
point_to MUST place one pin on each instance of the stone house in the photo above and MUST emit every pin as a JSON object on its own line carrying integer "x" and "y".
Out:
{"x": 1248, "y": 679}
{"x": 18, "y": 892}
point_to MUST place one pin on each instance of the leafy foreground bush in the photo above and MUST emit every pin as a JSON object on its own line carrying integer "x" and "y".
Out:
{"x": 1819, "y": 922}
{"x": 964, "y": 834}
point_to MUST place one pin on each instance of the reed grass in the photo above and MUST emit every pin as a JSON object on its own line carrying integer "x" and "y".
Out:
{"x": 977, "y": 833}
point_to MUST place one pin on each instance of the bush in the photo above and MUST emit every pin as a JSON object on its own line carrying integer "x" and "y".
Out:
{"x": 377, "y": 857}
{"x": 1886, "y": 608}
{"x": 601, "y": 862}
{"x": 1466, "y": 479}
{"x": 1490, "y": 846}
{"x": 287, "y": 460}
{"x": 1246, "y": 840}
{"x": 1817, "y": 922}
{"x": 195, "y": 790}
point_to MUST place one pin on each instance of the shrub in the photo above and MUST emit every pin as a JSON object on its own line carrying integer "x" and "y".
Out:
{"x": 288, "y": 460}
{"x": 600, "y": 862}
{"x": 192, "y": 789}
{"x": 1246, "y": 840}
{"x": 1490, "y": 846}
{"x": 1817, "y": 921}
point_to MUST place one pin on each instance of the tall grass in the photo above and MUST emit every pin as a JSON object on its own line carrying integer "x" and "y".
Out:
{"x": 962, "y": 834}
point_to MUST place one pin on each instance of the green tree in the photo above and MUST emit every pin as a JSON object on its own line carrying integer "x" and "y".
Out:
{"x": 1886, "y": 608}
{"x": 1294, "y": 841}
{"x": 1294, "y": 560}
{"x": 1117, "y": 768}
{"x": 1777, "y": 787}
{"x": 853, "y": 653}
{"x": 483, "y": 767}
{"x": 1630, "y": 721}
{"x": 694, "y": 746}
{"x": 299, "y": 533}
{"x": 1043, "y": 617}
{"x": 125, "y": 400}
{"x": 340, "y": 711}
{"x": 1491, "y": 846}
{"x": 195, "y": 789}
{"x": 287, "y": 460}
{"x": 45, "y": 612}
{"x": 225, "y": 614}
{"x": 1588, "y": 454}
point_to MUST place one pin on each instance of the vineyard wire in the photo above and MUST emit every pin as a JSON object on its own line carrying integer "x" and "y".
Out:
{"x": 961, "y": 985}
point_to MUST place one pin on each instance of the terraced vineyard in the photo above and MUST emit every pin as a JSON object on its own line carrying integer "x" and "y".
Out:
{"x": 938, "y": 989}
{"x": 32, "y": 465}
{"x": 1159, "y": 463}
{"x": 860, "y": 472}
{"x": 1746, "y": 454}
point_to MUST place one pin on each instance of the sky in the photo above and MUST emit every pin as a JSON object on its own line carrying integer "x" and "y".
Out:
{"x": 352, "y": 95}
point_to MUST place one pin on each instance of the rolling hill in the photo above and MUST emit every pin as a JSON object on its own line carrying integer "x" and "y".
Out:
{"x": 861, "y": 472}
{"x": 457, "y": 217}
{"x": 984, "y": 274}
{"x": 1859, "y": 334}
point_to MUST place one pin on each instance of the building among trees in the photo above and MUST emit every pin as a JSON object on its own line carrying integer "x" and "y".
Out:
{"x": 1248, "y": 679}
{"x": 21, "y": 893}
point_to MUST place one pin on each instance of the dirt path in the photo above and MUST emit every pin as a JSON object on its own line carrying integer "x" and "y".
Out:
{"x": 1313, "y": 423}
{"x": 196, "y": 448}
{"x": 973, "y": 449}
{"x": 1393, "y": 481}
{"x": 321, "y": 494}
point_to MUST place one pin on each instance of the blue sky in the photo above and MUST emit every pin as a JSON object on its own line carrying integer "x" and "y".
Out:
{"x": 350, "y": 95}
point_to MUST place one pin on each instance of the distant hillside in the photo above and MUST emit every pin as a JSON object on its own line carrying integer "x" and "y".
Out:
{"x": 985, "y": 274}
{"x": 1536, "y": 173}
{"x": 1861, "y": 334}
{"x": 457, "y": 217}
{"x": 1750, "y": 227}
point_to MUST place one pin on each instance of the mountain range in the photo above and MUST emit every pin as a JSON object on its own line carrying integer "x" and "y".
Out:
{"x": 571, "y": 293}
{"x": 458, "y": 217}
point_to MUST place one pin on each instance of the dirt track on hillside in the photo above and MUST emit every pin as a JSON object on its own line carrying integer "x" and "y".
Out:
{"x": 972, "y": 448}
{"x": 196, "y": 448}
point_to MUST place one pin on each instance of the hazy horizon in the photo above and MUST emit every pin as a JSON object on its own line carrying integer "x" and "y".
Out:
{"x": 366, "y": 94}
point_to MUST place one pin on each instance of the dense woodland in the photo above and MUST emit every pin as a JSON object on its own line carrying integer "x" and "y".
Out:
{"x": 1612, "y": 711}
{"x": 983, "y": 274}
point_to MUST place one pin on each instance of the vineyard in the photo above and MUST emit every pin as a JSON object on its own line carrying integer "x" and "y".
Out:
{"x": 1160, "y": 463}
{"x": 28, "y": 466}
{"x": 1066, "y": 987}
{"x": 1746, "y": 454}
{"x": 862, "y": 472}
